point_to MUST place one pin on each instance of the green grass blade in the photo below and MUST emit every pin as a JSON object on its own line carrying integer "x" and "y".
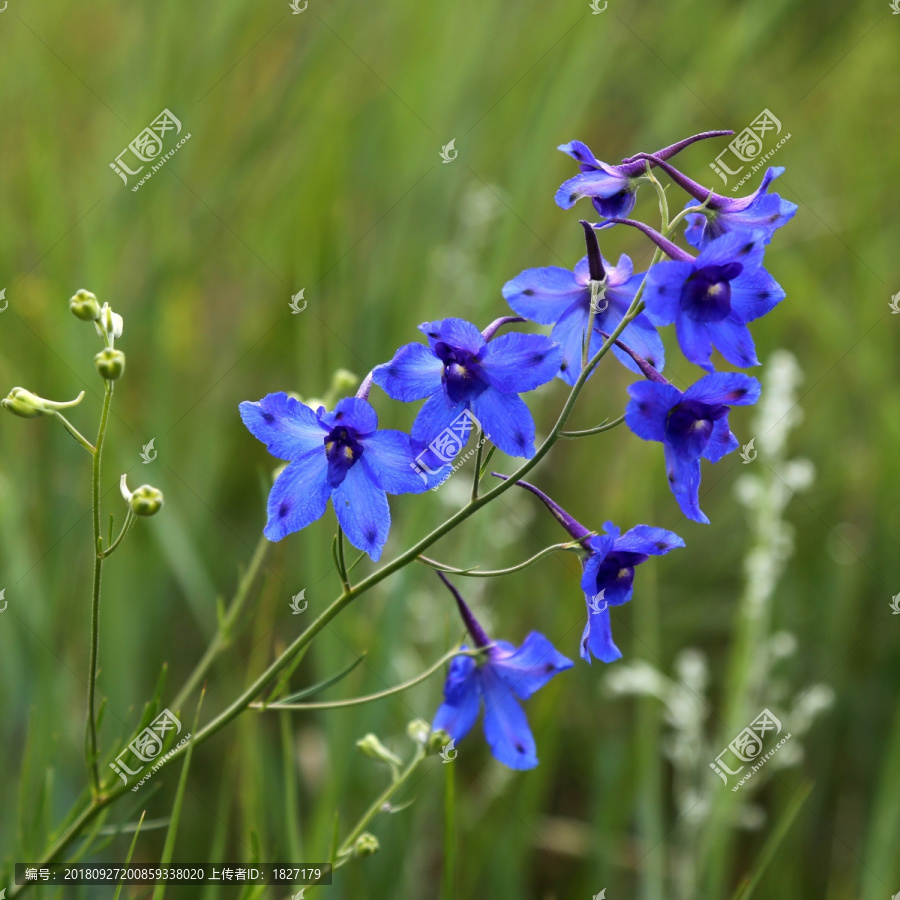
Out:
{"x": 137, "y": 831}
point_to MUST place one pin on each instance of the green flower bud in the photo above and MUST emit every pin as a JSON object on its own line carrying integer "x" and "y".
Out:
{"x": 373, "y": 748}
{"x": 145, "y": 501}
{"x": 29, "y": 406}
{"x": 84, "y": 306}
{"x": 418, "y": 730}
{"x": 437, "y": 741}
{"x": 110, "y": 363}
{"x": 366, "y": 844}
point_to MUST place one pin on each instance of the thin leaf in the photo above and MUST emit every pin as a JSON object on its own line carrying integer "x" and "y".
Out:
{"x": 130, "y": 852}
{"x": 322, "y": 685}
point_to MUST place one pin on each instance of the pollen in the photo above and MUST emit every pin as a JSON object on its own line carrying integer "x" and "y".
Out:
{"x": 348, "y": 452}
{"x": 328, "y": 446}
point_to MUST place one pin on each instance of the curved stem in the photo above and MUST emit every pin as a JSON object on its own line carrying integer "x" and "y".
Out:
{"x": 380, "y": 695}
{"x": 75, "y": 432}
{"x": 494, "y": 573}
{"x": 91, "y": 724}
{"x": 130, "y": 519}
{"x": 597, "y": 429}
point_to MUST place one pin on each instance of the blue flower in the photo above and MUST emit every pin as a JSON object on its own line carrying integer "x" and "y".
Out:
{"x": 759, "y": 210}
{"x": 608, "y": 571}
{"x": 340, "y": 455}
{"x": 505, "y": 675}
{"x": 612, "y": 188}
{"x": 562, "y": 298}
{"x": 691, "y": 425}
{"x": 713, "y": 297}
{"x": 464, "y": 369}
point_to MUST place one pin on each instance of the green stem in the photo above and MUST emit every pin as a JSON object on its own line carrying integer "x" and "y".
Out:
{"x": 358, "y": 701}
{"x": 478, "y": 453}
{"x": 376, "y": 807}
{"x": 130, "y": 519}
{"x": 222, "y": 637}
{"x": 597, "y": 429}
{"x": 75, "y": 432}
{"x": 345, "y": 577}
{"x": 493, "y": 573}
{"x": 91, "y": 725}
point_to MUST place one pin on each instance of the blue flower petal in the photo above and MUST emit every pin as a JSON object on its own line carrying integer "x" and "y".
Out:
{"x": 569, "y": 333}
{"x": 515, "y": 363}
{"x": 662, "y": 296}
{"x": 648, "y": 540}
{"x": 744, "y": 247}
{"x": 734, "y": 342}
{"x": 287, "y": 427}
{"x": 721, "y": 441}
{"x": 389, "y": 459}
{"x": 455, "y": 332}
{"x": 581, "y": 152}
{"x": 590, "y": 184}
{"x": 597, "y": 638}
{"x": 543, "y": 295}
{"x": 684, "y": 481}
{"x": 695, "y": 341}
{"x": 752, "y": 296}
{"x": 641, "y": 336}
{"x": 507, "y": 421}
{"x": 528, "y": 668}
{"x": 436, "y": 415}
{"x": 362, "y": 511}
{"x": 413, "y": 374}
{"x": 462, "y": 699}
{"x": 648, "y": 408}
{"x": 354, "y": 412}
{"x": 727, "y": 388}
{"x": 505, "y": 726}
{"x": 299, "y": 495}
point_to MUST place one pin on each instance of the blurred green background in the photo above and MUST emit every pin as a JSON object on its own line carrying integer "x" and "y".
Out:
{"x": 314, "y": 163}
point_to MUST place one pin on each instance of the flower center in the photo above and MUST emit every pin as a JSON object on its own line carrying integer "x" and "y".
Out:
{"x": 689, "y": 426}
{"x": 707, "y": 292}
{"x": 343, "y": 450}
{"x": 463, "y": 376}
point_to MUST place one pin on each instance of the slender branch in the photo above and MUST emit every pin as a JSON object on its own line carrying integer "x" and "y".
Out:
{"x": 345, "y": 578}
{"x": 494, "y": 573}
{"x": 91, "y": 724}
{"x": 478, "y": 454}
{"x": 358, "y": 701}
{"x": 597, "y": 429}
{"x": 130, "y": 519}
{"x": 75, "y": 432}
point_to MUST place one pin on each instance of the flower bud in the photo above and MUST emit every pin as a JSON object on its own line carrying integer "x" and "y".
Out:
{"x": 418, "y": 730}
{"x": 145, "y": 501}
{"x": 437, "y": 741}
{"x": 373, "y": 748}
{"x": 110, "y": 363}
{"x": 366, "y": 844}
{"x": 109, "y": 324}
{"x": 29, "y": 406}
{"x": 84, "y": 306}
